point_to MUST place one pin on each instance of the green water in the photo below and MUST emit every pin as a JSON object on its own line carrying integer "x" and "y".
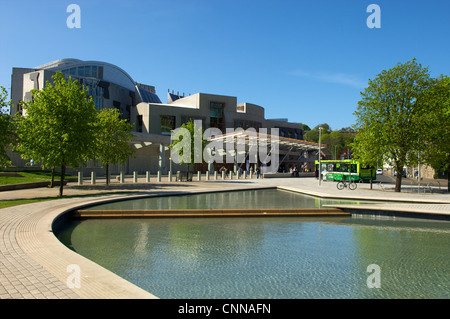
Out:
{"x": 262, "y": 198}
{"x": 275, "y": 257}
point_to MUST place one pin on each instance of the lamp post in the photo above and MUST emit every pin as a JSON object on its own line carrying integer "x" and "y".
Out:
{"x": 320, "y": 164}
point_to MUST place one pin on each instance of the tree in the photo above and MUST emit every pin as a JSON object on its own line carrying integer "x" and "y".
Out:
{"x": 335, "y": 141}
{"x": 58, "y": 126}
{"x": 366, "y": 152}
{"x": 195, "y": 133}
{"x": 113, "y": 137}
{"x": 435, "y": 119}
{"x": 7, "y": 132}
{"x": 305, "y": 128}
{"x": 386, "y": 116}
{"x": 313, "y": 135}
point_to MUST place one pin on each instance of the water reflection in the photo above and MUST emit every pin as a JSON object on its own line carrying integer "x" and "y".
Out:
{"x": 274, "y": 257}
{"x": 266, "y": 198}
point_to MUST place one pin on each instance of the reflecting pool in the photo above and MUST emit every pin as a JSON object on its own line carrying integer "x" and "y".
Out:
{"x": 261, "y": 198}
{"x": 271, "y": 257}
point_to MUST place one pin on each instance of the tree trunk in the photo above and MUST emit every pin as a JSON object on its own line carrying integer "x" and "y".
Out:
{"x": 398, "y": 179}
{"x": 371, "y": 178}
{"x": 52, "y": 181}
{"x": 107, "y": 174}
{"x": 61, "y": 186}
{"x": 448, "y": 179}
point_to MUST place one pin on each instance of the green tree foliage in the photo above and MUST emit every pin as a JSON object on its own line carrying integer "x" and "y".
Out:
{"x": 387, "y": 126}
{"x": 305, "y": 128}
{"x": 336, "y": 142}
{"x": 7, "y": 132}
{"x": 313, "y": 135}
{"x": 196, "y": 133}
{"x": 113, "y": 137}
{"x": 58, "y": 126}
{"x": 435, "y": 119}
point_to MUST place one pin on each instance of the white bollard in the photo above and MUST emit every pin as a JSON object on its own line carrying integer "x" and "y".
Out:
{"x": 159, "y": 176}
{"x": 121, "y": 178}
{"x": 135, "y": 179}
{"x": 147, "y": 177}
{"x": 80, "y": 178}
{"x": 93, "y": 178}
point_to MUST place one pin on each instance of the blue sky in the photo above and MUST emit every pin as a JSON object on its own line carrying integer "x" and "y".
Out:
{"x": 303, "y": 60}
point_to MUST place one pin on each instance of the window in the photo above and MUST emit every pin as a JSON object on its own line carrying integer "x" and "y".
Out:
{"x": 167, "y": 124}
{"x": 81, "y": 71}
{"x": 345, "y": 168}
{"x": 87, "y": 70}
{"x": 96, "y": 92}
{"x": 216, "y": 115}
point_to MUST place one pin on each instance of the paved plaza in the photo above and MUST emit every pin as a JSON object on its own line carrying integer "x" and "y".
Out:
{"x": 35, "y": 265}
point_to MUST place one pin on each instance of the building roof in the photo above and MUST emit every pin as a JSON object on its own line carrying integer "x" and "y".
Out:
{"x": 147, "y": 96}
{"x": 111, "y": 73}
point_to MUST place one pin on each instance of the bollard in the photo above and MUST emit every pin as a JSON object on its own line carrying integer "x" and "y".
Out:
{"x": 223, "y": 175}
{"x": 93, "y": 178}
{"x": 80, "y": 178}
{"x": 199, "y": 176}
{"x": 135, "y": 178}
{"x": 215, "y": 175}
{"x": 207, "y": 175}
{"x": 231, "y": 175}
{"x": 159, "y": 176}
{"x": 147, "y": 177}
{"x": 245, "y": 175}
{"x": 169, "y": 177}
{"x": 121, "y": 178}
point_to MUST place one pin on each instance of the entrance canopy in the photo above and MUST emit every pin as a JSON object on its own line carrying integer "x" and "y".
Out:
{"x": 257, "y": 138}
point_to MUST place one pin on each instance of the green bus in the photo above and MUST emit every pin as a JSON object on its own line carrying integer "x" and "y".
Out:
{"x": 336, "y": 170}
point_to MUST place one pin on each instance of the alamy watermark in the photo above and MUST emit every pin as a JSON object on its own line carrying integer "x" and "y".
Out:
{"x": 237, "y": 146}
{"x": 374, "y": 20}
{"x": 374, "y": 279}
{"x": 74, "y": 19}
{"x": 74, "y": 279}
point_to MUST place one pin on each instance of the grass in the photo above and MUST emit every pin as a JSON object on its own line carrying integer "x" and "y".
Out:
{"x": 15, "y": 202}
{"x": 30, "y": 177}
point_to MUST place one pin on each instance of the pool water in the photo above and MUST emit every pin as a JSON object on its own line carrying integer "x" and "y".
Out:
{"x": 270, "y": 257}
{"x": 260, "y": 198}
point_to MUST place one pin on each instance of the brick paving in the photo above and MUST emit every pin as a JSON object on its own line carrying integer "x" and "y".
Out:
{"x": 33, "y": 264}
{"x": 20, "y": 276}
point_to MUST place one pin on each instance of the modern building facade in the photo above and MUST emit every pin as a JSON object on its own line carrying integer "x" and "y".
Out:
{"x": 112, "y": 87}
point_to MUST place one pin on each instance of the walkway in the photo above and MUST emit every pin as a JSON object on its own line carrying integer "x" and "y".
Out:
{"x": 34, "y": 264}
